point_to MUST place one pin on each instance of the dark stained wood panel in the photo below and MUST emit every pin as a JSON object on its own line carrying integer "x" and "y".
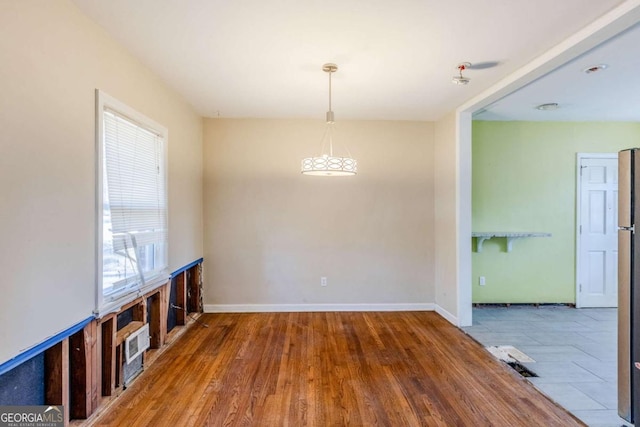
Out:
{"x": 80, "y": 384}
{"x": 337, "y": 368}
{"x": 56, "y": 360}
{"x": 108, "y": 337}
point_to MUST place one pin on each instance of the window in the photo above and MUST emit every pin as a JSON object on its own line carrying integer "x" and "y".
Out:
{"x": 132, "y": 204}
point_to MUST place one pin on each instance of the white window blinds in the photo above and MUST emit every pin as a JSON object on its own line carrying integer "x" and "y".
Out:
{"x": 134, "y": 205}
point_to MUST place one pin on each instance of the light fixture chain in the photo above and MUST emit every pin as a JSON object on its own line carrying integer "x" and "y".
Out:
{"x": 327, "y": 131}
{"x": 330, "y": 125}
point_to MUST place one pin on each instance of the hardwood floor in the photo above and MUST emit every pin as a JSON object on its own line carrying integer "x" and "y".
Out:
{"x": 322, "y": 369}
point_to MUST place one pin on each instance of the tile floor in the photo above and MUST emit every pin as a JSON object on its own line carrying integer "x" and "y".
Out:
{"x": 574, "y": 351}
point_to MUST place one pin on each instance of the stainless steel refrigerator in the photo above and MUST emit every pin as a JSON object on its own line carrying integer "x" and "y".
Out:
{"x": 629, "y": 285}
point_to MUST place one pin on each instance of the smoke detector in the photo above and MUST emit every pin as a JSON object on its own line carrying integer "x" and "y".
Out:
{"x": 460, "y": 79}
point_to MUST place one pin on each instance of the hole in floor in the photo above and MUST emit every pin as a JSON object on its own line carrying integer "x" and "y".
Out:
{"x": 522, "y": 370}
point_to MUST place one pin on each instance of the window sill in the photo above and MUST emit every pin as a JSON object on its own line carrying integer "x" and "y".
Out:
{"x": 121, "y": 300}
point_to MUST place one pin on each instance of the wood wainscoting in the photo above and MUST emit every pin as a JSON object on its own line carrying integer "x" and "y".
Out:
{"x": 334, "y": 368}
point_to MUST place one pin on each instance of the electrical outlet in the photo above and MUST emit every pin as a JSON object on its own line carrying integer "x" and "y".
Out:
{"x": 323, "y": 281}
{"x": 482, "y": 281}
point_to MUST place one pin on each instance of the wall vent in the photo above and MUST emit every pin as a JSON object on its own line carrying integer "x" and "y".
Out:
{"x": 137, "y": 343}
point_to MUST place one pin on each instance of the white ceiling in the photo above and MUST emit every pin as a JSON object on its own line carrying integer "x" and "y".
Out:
{"x": 258, "y": 58}
{"x": 609, "y": 95}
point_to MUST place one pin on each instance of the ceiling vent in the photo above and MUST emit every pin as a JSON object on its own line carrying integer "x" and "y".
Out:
{"x": 595, "y": 68}
{"x": 548, "y": 107}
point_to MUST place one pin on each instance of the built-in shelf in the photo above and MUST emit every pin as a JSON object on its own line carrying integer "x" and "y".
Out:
{"x": 510, "y": 236}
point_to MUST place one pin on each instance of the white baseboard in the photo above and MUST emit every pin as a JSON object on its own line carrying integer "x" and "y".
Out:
{"x": 270, "y": 308}
{"x": 448, "y": 316}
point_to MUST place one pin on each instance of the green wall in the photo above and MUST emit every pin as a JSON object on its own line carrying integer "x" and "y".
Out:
{"x": 524, "y": 179}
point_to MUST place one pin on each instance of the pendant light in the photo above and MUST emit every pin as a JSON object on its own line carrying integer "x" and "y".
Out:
{"x": 327, "y": 164}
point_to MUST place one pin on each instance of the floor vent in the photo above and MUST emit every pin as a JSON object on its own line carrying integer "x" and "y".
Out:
{"x": 514, "y": 358}
{"x": 522, "y": 370}
{"x": 137, "y": 343}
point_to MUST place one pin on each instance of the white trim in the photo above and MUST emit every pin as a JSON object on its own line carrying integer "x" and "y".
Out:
{"x": 98, "y": 208}
{"x": 578, "y": 242}
{"x": 124, "y": 299}
{"x": 271, "y": 308}
{"x": 464, "y": 300}
{"x": 448, "y": 316}
{"x": 104, "y": 100}
{"x": 607, "y": 26}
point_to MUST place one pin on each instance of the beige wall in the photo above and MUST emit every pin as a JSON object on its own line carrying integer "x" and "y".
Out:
{"x": 52, "y": 58}
{"x": 271, "y": 233}
{"x": 446, "y": 272}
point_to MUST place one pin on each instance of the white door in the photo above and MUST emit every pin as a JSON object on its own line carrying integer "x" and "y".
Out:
{"x": 597, "y": 284}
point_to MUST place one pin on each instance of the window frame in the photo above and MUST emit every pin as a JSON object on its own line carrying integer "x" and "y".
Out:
{"x": 108, "y": 303}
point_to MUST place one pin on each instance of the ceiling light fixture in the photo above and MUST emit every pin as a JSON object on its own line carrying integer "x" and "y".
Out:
{"x": 595, "y": 68}
{"x": 327, "y": 164}
{"x": 548, "y": 107}
{"x": 461, "y": 80}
